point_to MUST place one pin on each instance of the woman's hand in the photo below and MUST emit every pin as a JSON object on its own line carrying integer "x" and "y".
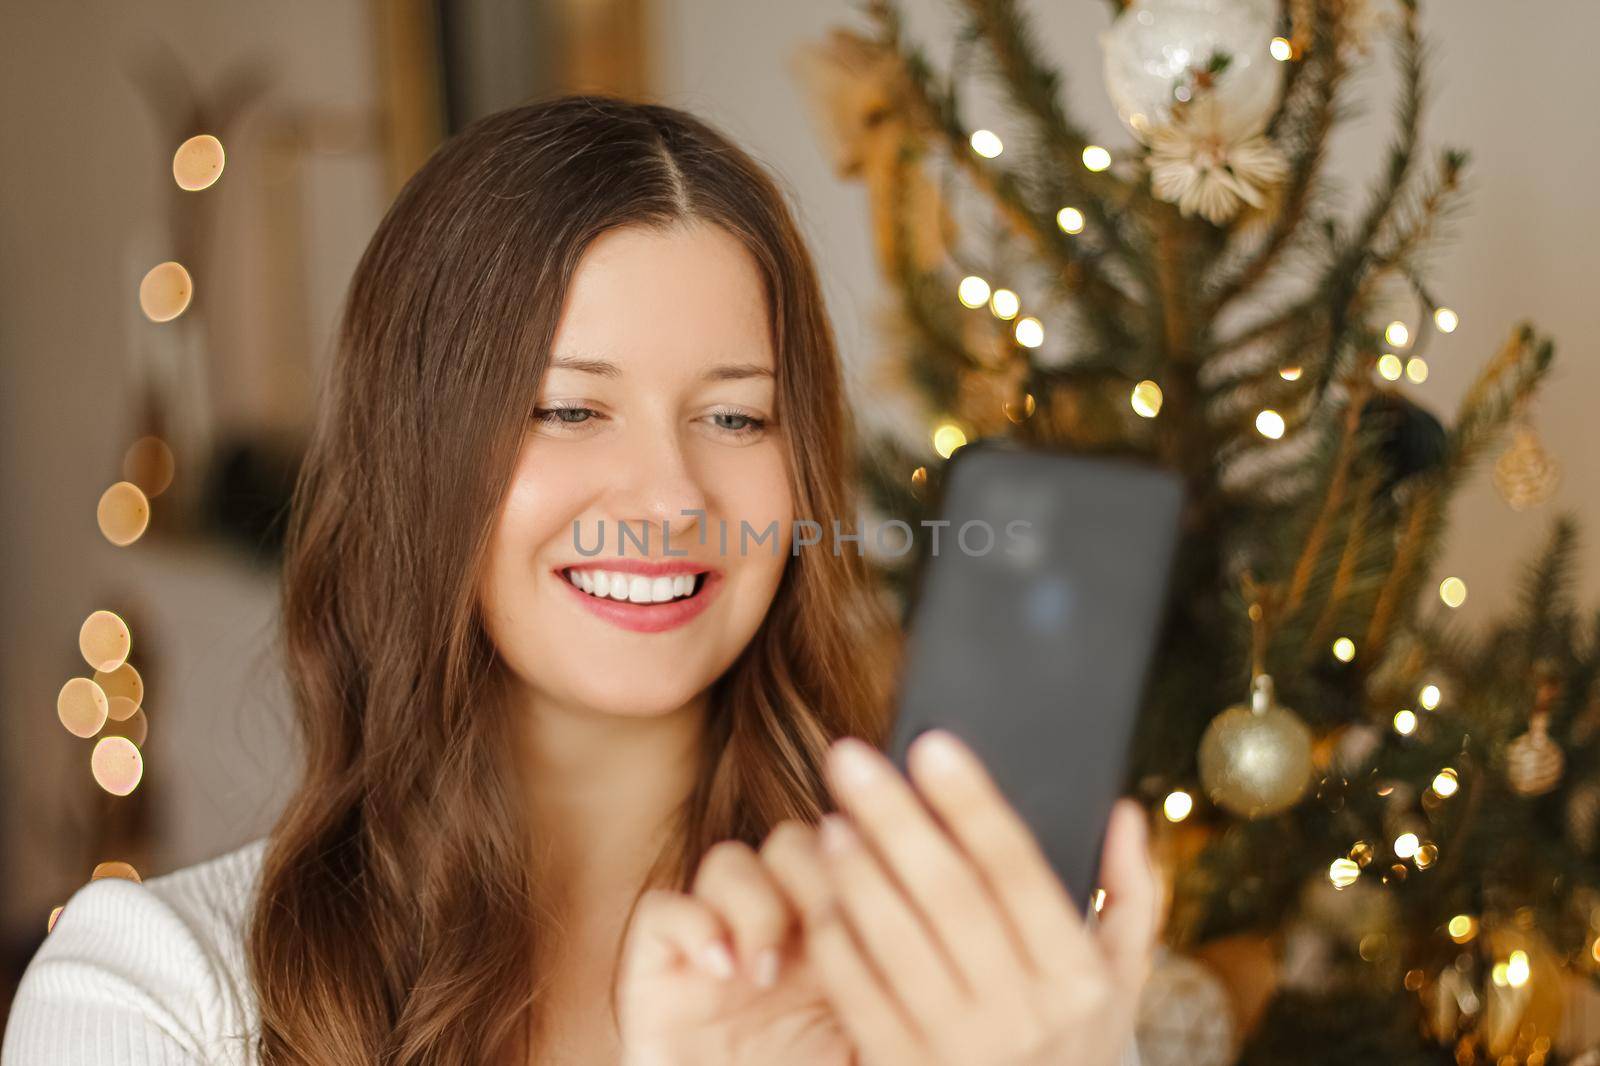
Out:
{"x": 946, "y": 937}
{"x": 715, "y": 977}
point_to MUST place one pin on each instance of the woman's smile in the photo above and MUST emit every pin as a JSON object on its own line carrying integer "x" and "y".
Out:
{"x": 643, "y": 596}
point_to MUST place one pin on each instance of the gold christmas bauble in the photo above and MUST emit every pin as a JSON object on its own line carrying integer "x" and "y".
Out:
{"x": 1185, "y": 1016}
{"x": 1256, "y": 760}
{"x": 1534, "y": 762}
{"x": 1526, "y": 474}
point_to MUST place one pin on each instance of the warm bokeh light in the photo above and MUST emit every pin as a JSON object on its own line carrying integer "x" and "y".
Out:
{"x": 104, "y": 641}
{"x": 1445, "y": 783}
{"x": 1070, "y": 219}
{"x": 198, "y": 162}
{"x": 1269, "y": 424}
{"x": 1462, "y": 928}
{"x": 1390, "y": 367}
{"x": 1281, "y": 49}
{"x": 1290, "y": 373}
{"x": 1397, "y": 334}
{"x": 1446, "y": 320}
{"x": 1005, "y": 303}
{"x": 1177, "y": 806}
{"x": 1405, "y": 722}
{"x": 947, "y": 438}
{"x": 115, "y": 868}
{"x": 1417, "y": 369}
{"x": 165, "y": 292}
{"x": 1453, "y": 591}
{"x": 1344, "y": 649}
{"x": 1029, "y": 332}
{"x": 1146, "y": 399}
{"x": 1096, "y": 158}
{"x": 123, "y": 683}
{"x": 123, "y": 513}
{"x": 973, "y": 291}
{"x": 1343, "y": 873}
{"x": 136, "y": 727}
{"x": 82, "y": 707}
{"x": 1405, "y": 845}
{"x": 148, "y": 464}
{"x": 116, "y": 764}
{"x": 1020, "y": 410}
{"x": 1429, "y": 697}
{"x": 986, "y": 143}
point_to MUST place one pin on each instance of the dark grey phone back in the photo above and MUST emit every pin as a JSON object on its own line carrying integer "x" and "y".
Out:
{"x": 1035, "y": 651}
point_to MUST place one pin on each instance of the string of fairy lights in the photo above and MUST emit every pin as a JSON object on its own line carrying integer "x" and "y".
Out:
{"x": 109, "y": 706}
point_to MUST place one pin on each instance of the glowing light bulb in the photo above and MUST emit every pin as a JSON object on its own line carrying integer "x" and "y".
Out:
{"x": 1445, "y": 783}
{"x": 1029, "y": 332}
{"x": 1281, "y": 49}
{"x": 1429, "y": 697}
{"x": 1389, "y": 366}
{"x": 1517, "y": 969}
{"x": 973, "y": 291}
{"x": 1177, "y": 805}
{"x": 1289, "y": 373}
{"x": 1096, "y": 158}
{"x": 1405, "y": 723}
{"x": 986, "y": 143}
{"x": 1269, "y": 424}
{"x": 1405, "y": 845}
{"x": 1462, "y": 928}
{"x": 1344, "y": 649}
{"x": 1446, "y": 320}
{"x": 1417, "y": 369}
{"x": 1397, "y": 334}
{"x": 1070, "y": 219}
{"x": 1005, "y": 303}
{"x": 1453, "y": 591}
{"x": 947, "y": 438}
{"x": 1146, "y": 399}
{"x": 1343, "y": 873}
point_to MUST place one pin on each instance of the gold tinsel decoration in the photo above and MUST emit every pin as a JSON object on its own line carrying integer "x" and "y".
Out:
{"x": 1526, "y": 474}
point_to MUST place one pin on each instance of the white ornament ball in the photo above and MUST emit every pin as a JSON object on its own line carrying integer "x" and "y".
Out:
{"x": 1154, "y": 47}
{"x": 1185, "y": 1016}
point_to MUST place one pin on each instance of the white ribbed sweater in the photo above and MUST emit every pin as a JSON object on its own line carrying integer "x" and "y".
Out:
{"x": 151, "y": 974}
{"x": 144, "y": 975}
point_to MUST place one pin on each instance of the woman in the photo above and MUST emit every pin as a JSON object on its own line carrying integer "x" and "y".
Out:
{"x": 565, "y": 784}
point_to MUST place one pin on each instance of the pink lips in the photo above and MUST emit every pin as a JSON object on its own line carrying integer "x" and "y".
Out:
{"x": 648, "y": 617}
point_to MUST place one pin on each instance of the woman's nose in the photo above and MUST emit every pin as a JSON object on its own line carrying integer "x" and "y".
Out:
{"x": 661, "y": 490}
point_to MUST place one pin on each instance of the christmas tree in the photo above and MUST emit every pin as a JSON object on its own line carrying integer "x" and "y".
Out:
{"x": 1380, "y": 822}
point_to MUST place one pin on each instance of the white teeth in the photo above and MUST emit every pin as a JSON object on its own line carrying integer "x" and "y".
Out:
{"x": 634, "y": 588}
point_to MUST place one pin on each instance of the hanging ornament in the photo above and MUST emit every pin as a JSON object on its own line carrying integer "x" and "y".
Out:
{"x": 1255, "y": 760}
{"x": 1526, "y": 474}
{"x": 1185, "y": 1017}
{"x": 1534, "y": 762}
{"x": 1209, "y": 172}
{"x": 1499, "y": 997}
{"x": 1161, "y": 54}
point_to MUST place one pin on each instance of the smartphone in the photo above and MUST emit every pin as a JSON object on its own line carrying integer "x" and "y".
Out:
{"x": 1033, "y": 620}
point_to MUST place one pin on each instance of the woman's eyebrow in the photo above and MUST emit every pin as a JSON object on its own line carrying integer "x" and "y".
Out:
{"x": 605, "y": 368}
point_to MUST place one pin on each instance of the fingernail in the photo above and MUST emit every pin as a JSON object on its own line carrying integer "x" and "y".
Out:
{"x": 837, "y": 836}
{"x": 767, "y": 968}
{"x": 854, "y": 763}
{"x": 939, "y": 753}
{"x": 718, "y": 960}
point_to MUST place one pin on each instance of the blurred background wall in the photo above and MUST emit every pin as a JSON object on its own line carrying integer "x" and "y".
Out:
{"x": 323, "y": 109}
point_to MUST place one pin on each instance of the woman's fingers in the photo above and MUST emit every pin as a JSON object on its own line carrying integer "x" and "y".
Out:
{"x": 874, "y": 1018}
{"x": 734, "y": 883}
{"x": 1036, "y": 905}
{"x": 888, "y": 927}
{"x": 670, "y": 929}
{"x": 1131, "y": 917}
{"x": 927, "y": 864}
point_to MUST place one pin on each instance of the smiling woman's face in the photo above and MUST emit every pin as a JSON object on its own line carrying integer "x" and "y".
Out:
{"x": 660, "y": 399}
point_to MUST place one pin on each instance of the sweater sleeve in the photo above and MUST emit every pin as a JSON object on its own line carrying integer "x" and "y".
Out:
{"x": 122, "y": 980}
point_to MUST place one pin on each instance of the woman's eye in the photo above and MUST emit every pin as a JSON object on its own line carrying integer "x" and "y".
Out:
{"x": 564, "y": 416}
{"x": 738, "y": 422}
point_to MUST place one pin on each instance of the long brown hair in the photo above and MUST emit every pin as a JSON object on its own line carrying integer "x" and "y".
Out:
{"x": 397, "y": 919}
